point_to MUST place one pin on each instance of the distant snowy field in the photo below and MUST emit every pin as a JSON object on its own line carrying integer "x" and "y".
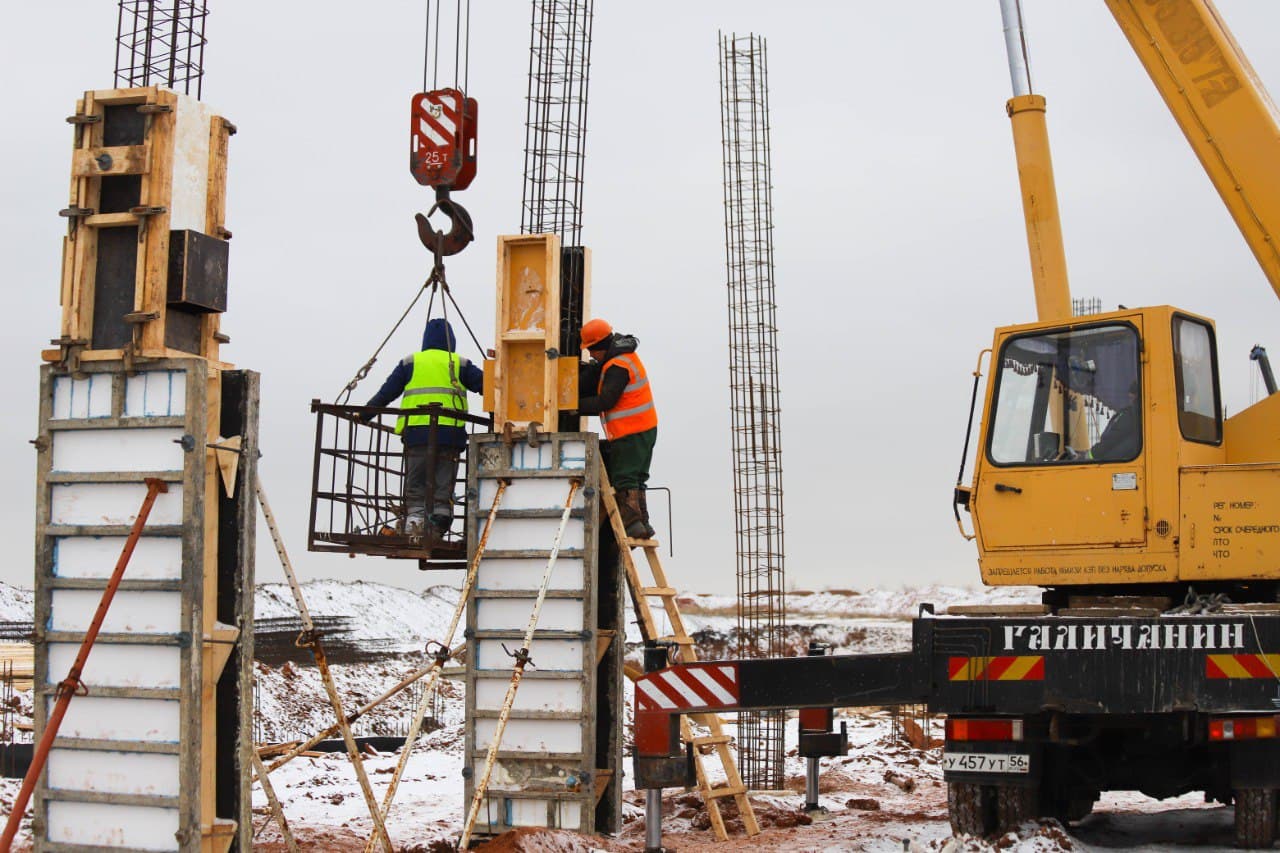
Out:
{"x": 382, "y": 630}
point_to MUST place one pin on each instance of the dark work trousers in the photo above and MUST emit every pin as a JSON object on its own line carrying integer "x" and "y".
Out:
{"x": 627, "y": 459}
{"x": 418, "y": 472}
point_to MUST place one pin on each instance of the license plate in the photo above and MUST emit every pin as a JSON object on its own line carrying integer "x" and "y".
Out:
{"x": 986, "y": 762}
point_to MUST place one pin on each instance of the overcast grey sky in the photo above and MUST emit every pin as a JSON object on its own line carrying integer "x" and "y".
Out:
{"x": 899, "y": 239}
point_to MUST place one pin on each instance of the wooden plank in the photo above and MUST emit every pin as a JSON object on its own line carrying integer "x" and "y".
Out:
{"x": 1110, "y": 612}
{"x": 215, "y": 220}
{"x": 112, "y": 160}
{"x": 110, "y": 220}
{"x": 1146, "y": 602}
{"x": 152, "y": 290}
{"x": 997, "y": 610}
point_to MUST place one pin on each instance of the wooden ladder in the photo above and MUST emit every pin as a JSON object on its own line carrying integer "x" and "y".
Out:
{"x": 717, "y": 742}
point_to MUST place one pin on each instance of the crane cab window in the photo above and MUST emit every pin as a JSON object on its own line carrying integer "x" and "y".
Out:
{"x": 1068, "y": 397}
{"x": 1195, "y": 361}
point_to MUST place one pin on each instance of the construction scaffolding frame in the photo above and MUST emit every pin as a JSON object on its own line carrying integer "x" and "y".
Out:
{"x": 753, "y": 383}
{"x": 161, "y": 44}
{"x": 555, "y": 148}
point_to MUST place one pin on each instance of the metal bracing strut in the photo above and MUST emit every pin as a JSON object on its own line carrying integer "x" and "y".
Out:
{"x": 441, "y": 655}
{"x": 522, "y": 660}
{"x": 309, "y": 639}
{"x": 276, "y": 811}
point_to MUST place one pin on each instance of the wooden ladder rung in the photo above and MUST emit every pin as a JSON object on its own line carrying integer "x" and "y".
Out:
{"x": 664, "y": 591}
{"x": 679, "y": 641}
{"x": 642, "y": 543}
{"x": 711, "y": 740}
{"x": 721, "y": 793}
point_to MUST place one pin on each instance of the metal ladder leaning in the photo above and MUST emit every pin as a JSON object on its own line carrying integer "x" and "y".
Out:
{"x": 717, "y": 742}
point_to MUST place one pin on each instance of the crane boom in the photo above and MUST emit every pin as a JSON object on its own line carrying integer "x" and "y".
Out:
{"x": 1222, "y": 107}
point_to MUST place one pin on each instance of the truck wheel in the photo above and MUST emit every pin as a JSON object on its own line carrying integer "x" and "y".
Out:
{"x": 1255, "y": 817}
{"x": 1015, "y": 805}
{"x": 971, "y": 808}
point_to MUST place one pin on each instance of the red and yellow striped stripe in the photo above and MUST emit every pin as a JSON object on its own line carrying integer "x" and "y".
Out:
{"x": 1242, "y": 666}
{"x": 1006, "y": 668}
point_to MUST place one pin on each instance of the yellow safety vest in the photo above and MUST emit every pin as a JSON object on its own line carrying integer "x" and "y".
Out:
{"x": 435, "y": 379}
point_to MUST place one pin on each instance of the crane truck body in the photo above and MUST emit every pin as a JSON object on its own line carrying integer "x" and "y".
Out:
{"x": 1107, "y": 475}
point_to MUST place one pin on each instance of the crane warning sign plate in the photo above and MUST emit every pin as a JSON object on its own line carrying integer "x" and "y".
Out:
{"x": 442, "y": 138}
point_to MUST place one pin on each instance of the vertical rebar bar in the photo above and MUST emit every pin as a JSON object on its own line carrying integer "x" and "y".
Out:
{"x": 555, "y": 139}
{"x": 556, "y": 118}
{"x": 754, "y": 389}
{"x": 161, "y": 44}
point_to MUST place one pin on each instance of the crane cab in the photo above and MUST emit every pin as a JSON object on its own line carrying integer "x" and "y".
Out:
{"x": 1104, "y": 458}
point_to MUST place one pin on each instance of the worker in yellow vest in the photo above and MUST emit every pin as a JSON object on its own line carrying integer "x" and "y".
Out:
{"x": 623, "y": 399}
{"x": 435, "y": 374}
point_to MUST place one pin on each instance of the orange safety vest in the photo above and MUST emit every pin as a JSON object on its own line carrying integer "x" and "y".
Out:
{"x": 634, "y": 412}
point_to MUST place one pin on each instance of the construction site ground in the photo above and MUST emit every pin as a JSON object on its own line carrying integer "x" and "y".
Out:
{"x": 886, "y": 795}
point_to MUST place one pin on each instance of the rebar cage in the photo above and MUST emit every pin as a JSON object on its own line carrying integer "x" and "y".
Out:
{"x": 358, "y": 481}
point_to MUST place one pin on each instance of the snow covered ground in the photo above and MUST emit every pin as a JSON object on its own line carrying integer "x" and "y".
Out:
{"x": 886, "y": 795}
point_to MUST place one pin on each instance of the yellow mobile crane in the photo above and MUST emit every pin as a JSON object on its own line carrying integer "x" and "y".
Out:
{"x": 1106, "y": 474}
{"x": 1105, "y": 463}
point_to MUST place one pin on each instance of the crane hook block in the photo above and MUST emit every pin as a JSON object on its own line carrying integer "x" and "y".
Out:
{"x": 442, "y": 139}
{"x": 460, "y": 231}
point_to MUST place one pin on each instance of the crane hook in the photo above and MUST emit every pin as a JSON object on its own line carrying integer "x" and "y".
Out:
{"x": 460, "y": 233}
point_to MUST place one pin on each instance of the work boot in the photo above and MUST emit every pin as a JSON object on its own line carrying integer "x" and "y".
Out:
{"x": 632, "y": 517}
{"x": 413, "y": 525}
{"x": 440, "y": 525}
{"x": 644, "y": 513}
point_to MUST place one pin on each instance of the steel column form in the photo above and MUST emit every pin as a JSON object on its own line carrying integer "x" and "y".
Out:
{"x": 753, "y": 381}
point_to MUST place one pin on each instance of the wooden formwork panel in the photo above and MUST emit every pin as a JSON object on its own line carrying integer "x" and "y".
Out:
{"x": 133, "y": 766}
{"x": 550, "y": 769}
{"x": 146, "y": 163}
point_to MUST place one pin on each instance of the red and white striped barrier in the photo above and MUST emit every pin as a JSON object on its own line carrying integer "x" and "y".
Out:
{"x": 688, "y": 686}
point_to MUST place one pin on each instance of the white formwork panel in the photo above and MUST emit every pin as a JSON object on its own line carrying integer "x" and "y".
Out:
{"x": 557, "y": 614}
{"x": 535, "y": 694}
{"x": 551, "y": 655}
{"x": 533, "y": 811}
{"x": 120, "y": 665}
{"x": 518, "y": 534}
{"x": 532, "y": 736}
{"x": 92, "y": 504}
{"x": 107, "y": 718}
{"x": 512, "y": 574}
{"x": 78, "y": 399}
{"x": 94, "y": 557}
{"x": 132, "y": 611}
{"x": 532, "y": 493}
{"x": 112, "y": 825}
{"x": 549, "y": 749}
{"x": 156, "y": 393}
{"x": 145, "y": 773}
{"x": 120, "y": 449}
{"x": 188, "y": 200}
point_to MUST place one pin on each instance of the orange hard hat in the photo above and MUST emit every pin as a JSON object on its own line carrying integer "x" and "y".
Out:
{"x": 595, "y": 331}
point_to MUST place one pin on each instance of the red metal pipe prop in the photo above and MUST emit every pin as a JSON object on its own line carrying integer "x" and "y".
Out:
{"x": 68, "y": 687}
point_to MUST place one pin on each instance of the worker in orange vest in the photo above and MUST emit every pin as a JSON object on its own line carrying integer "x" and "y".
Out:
{"x": 623, "y": 400}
